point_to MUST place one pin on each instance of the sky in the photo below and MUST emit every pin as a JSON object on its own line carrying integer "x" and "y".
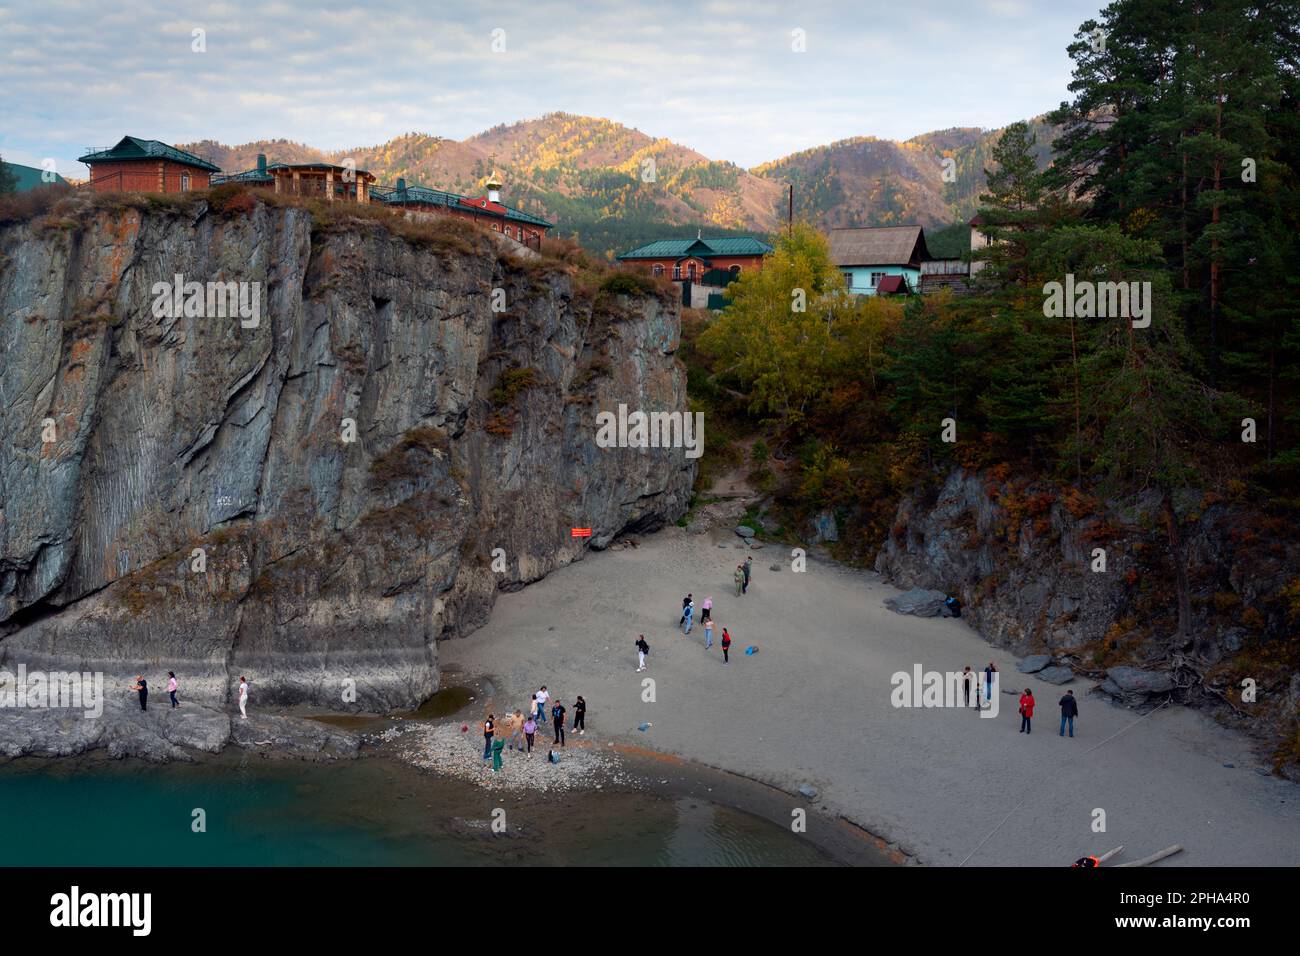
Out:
{"x": 747, "y": 82}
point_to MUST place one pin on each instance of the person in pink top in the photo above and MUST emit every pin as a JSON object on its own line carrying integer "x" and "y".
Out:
{"x": 530, "y": 728}
{"x": 708, "y": 609}
{"x": 171, "y": 687}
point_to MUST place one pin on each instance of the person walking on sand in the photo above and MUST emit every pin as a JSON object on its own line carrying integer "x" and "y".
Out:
{"x": 988, "y": 680}
{"x": 1069, "y": 711}
{"x": 489, "y": 731}
{"x": 543, "y": 695}
{"x": 739, "y": 578}
{"x": 243, "y": 698}
{"x": 706, "y": 613}
{"x": 726, "y": 646}
{"x": 1026, "y": 711}
{"x": 688, "y": 617}
{"x": 749, "y": 566}
{"x": 557, "y": 719}
{"x": 708, "y": 634}
{"x": 530, "y": 728}
{"x": 142, "y": 688}
{"x": 532, "y": 708}
{"x": 171, "y": 687}
{"x": 966, "y": 676}
{"x": 580, "y": 715}
{"x": 642, "y": 649}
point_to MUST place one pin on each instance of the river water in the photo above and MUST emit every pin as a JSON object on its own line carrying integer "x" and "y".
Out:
{"x": 256, "y": 812}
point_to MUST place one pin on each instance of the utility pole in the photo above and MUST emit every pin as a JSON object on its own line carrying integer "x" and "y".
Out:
{"x": 789, "y": 216}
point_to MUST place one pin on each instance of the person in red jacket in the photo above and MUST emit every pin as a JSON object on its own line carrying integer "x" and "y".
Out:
{"x": 1026, "y": 710}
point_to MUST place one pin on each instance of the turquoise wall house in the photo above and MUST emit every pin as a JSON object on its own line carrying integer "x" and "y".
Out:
{"x": 863, "y": 280}
{"x": 866, "y": 255}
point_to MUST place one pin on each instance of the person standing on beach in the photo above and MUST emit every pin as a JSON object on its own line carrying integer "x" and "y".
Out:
{"x": 726, "y": 646}
{"x": 708, "y": 633}
{"x": 707, "y": 612}
{"x": 739, "y": 578}
{"x": 171, "y": 687}
{"x": 489, "y": 731}
{"x": 142, "y": 688}
{"x": 966, "y": 676}
{"x": 688, "y": 615}
{"x": 749, "y": 566}
{"x": 543, "y": 695}
{"x": 530, "y": 728}
{"x": 243, "y": 698}
{"x": 642, "y": 649}
{"x": 988, "y": 680}
{"x": 1026, "y": 711}
{"x": 516, "y": 739}
{"x": 532, "y": 708}
{"x": 1069, "y": 711}
{"x": 497, "y": 747}
{"x": 557, "y": 719}
{"x": 580, "y": 715}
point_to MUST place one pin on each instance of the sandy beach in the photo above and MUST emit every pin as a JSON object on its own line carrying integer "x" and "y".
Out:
{"x": 813, "y": 707}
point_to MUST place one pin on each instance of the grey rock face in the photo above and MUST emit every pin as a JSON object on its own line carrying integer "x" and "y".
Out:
{"x": 1034, "y": 663}
{"x": 1055, "y": 675}
{"x": 315, "y": 501}
{"x": 918, "y": 602}
{"x": 1132, "y": 680}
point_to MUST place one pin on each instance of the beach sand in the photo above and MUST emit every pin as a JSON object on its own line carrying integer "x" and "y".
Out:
{"x": 813, "y": 707}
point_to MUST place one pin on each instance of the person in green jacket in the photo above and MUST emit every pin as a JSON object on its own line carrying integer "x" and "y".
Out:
{"x": 498, "y": 745}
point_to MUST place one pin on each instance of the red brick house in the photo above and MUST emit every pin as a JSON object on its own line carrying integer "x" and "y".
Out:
{"x": 146, "y": 165}
{"x": 689, "y": 259}
{"x": 486, "y": 210}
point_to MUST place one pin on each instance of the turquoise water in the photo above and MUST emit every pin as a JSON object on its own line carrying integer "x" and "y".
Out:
{"x": 352, "y": 813}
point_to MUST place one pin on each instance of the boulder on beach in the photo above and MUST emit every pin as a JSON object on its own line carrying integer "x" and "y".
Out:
{"x": 1135, "y": 682}
{"x": 745, "y": 531}
{"x": 917, "y": 602}
{"x": 1034, "y": 663}
{"x": 1055, "y": 675}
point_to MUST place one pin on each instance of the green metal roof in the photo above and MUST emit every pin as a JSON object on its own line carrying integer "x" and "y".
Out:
{"x": 132, "y": 147}
{"x": 704, "y": 248}
{"x": 29, "y": 177}
{"x": 409, "y": 195}
{"x": 248, "y": 176}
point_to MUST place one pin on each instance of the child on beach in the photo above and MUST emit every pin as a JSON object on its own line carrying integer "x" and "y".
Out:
{"x": 171, "y": 687}
{"x": 642, "y": 649}
{"x": 726, "y": 646}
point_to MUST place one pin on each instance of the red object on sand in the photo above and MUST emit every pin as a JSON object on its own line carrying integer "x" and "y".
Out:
{"x": 581, "y": 532}
{"x": 464, "y": 728}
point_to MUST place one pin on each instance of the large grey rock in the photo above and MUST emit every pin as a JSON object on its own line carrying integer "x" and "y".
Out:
{"x": 745, "y": 531}
{"x": 1034, "y": 663}
{"x": 918, "y": 602}
{"x": 329, "y": 562}
{"x": 1055, "y": 675}
{"x": 1133, "y": 680}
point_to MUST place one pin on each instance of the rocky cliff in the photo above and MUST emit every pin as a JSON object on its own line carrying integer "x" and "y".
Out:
{"x": 315, "y": 496}
{"x": 1024, "y": 558}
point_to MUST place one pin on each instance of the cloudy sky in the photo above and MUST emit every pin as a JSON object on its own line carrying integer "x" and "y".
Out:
{"x": 724, "y": 77}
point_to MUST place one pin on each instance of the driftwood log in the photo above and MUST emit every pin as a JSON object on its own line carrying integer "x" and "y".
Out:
{"x": 1167, "y": 851}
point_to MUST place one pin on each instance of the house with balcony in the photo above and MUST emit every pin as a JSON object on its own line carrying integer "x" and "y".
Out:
{"x": 327, "y": 181}
{"x": 145, "y": 165}
{"x": 703, "y": 267}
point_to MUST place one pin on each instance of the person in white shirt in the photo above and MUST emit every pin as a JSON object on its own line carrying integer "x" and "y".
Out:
{"x": 243, "y": 698}
{"x": 542, "y": 697}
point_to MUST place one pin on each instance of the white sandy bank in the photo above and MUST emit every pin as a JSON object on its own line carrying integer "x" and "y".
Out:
{"x": 813, "y": 706}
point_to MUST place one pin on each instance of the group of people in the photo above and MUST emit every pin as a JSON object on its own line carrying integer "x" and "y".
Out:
{"x": 141, "y": 689}
{"x": 519, "y": 731}
{"x": 1068, "y": 703}
{"x": 706, "y": 620}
